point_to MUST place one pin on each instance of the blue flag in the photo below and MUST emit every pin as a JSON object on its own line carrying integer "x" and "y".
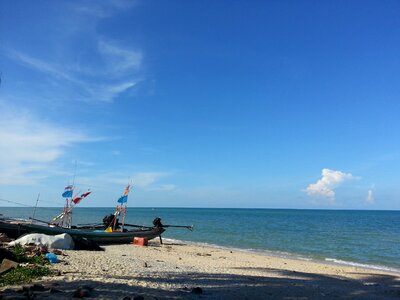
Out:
{"x": 68, "y": 191}
{"x": 123, "y": 199}
{"x": 67, "y": 194}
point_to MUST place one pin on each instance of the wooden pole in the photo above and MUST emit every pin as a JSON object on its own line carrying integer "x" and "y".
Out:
{"x": 34, "y": 211}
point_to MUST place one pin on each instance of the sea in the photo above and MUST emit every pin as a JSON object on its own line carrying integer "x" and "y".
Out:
{"x": 369, "y": 239}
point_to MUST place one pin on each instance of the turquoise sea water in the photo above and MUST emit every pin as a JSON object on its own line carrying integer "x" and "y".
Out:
{"x": 370, "y": 238}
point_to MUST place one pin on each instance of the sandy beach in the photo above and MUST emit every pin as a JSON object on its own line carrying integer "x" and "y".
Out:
{"x": 173, "y": 270}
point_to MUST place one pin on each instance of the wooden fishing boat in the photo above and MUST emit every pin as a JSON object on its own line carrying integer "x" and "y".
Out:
{"x": 108, "y": 233}
{"x": 14, "y": 228}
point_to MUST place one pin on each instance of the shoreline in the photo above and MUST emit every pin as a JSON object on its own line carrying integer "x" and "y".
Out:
{"x": 295, "y": 256}
{"x": 174, "y": 270}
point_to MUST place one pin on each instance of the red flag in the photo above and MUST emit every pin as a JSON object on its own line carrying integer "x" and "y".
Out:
{"x": 76, "y": 200}
{"x": 85, "y": 194}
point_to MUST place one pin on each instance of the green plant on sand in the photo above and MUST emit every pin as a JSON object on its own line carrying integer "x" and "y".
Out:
{"x": 25, "y": 274}
{"x": 21, "y": 257}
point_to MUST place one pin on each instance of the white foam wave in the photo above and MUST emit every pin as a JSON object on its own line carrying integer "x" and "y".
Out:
{"x": 360, "y": 265}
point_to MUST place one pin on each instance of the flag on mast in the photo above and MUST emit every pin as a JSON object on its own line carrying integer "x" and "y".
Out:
{"x": 68, "y": 191}
{"x": 124, "y": 197}
{"x": 76, "y": 200}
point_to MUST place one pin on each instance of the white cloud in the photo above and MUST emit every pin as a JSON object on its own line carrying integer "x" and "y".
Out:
{"x": 325, "y": 186}
{"x": 117, "y": 74}
{"x": 370, "y": 197}
{"x": 98, "y": 71}
{"x": 143, "y": 180}
{"x": 39, "y": 65}
{"x": 118, "y": 58}
{"x": 29, "y": 146}
{"x": 146, "y": 179}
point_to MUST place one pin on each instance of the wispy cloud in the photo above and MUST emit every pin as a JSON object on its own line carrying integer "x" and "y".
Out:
{"x": 117, "y": 73}
{"x": 147, "y": 179}
{"x": 118, "y": 58}
{"x": 99, "y": 71}
{"x": 325, "y": 186}
{"x": 39, "y": 65}
{"x": 29, "y": 146}
{"x": 370, "y": 197}
{"x": 144, "y": 180}
{"x": 101, "y": 9}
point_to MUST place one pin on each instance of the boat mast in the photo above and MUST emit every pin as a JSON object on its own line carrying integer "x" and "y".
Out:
{"x": 34, "y": 211}
{"x": 121, "y": 209}
{"x": 69, "y": 208}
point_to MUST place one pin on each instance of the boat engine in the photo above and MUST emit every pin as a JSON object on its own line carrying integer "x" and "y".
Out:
{"x": 157, "y": 223}
{"x": 108, "y": 221}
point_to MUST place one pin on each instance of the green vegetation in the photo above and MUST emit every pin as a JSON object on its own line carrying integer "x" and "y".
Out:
{"x": 25, "y": 274}
{"x": 21, "y": 257}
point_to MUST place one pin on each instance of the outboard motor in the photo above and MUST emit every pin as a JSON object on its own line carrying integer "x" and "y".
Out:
{"x": 108, "y": 220}
{"x": 157, "y": 223}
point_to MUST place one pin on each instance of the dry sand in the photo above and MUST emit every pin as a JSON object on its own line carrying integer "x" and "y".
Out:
{"x": 172, "y": 270}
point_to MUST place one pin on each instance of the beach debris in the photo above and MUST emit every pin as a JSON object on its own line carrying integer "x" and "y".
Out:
{"x": 60, "y": 241}
{"x": 38, "y": 288}
{"x": 52, "y": 258}
{"x": 86, "y": 244}
{"x": 197, "y": 290}
{"x": 82, "y": 292}
{"x": 7, "y": 265}
{"x": 145, "y": 265}
{"x": 57, "y": 252}
{"x": 203, "y": 254}
{"x": 140, "y": 241}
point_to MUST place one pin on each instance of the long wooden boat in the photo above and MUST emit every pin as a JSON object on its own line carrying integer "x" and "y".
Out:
{"x": 14, "y": 228}
{"x": 107, "y": 233}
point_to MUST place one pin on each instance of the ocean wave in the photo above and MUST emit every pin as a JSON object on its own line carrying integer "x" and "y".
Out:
{"x": 361, "y": 265}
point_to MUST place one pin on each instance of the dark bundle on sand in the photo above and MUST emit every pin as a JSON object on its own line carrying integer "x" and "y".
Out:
{"x": 85, "y": 244}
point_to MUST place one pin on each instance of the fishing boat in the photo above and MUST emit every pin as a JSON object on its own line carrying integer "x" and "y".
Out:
{"x": 15, "y": 228}
{"x": 112, "y": 232}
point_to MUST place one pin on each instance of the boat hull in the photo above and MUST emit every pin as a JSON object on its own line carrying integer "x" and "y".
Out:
{"x": 16, "y": 229}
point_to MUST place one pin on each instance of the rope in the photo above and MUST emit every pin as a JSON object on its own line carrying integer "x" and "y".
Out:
{"x": 9, "y": 201}
{"x": 26, "y": 205}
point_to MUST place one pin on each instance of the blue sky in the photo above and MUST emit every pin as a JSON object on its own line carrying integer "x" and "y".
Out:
{"x": 273, "y": 104}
